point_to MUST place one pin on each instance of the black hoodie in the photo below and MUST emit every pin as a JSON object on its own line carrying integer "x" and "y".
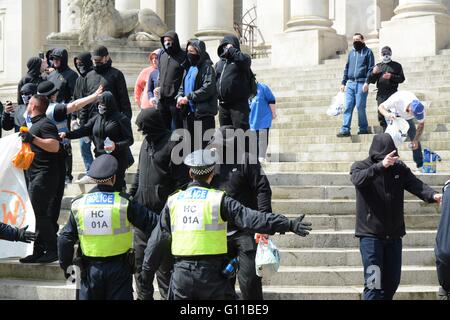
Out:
{"x": 157, "y": 176}
{"x": 63, "y": 77}
{"x": 380, "y": 192}
{"x": 172, "y": 64}
{"x": 242, "y": 177}
{"x": 204, "y": 95}
{"x": 86, "y": 59}
{"x": 33, "y": 76}
{"x": 232, "y": 72}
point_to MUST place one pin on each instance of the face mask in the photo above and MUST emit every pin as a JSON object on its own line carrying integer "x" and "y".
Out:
{"x": 387, "y": 58}
{"x": 26, "y": 99}
{"x": 358, "y": 45}
{"x": 82, "y": 69}
{"x": 193, "y": 58}
{"x": 101, "y": 109}
{"x": 167, "y": 45}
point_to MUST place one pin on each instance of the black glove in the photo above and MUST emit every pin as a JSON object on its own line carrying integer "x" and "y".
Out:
{"x": 25, "y": 236}
{"x": 299, "y": 227}
{"x": 26, "y": 137}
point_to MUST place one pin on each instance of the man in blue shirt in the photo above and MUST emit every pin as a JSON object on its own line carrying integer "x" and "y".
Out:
{"x": 262, "y": 113}
{"x": 359, "y": 66}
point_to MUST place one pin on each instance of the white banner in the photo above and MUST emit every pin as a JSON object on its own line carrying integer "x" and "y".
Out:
{"x": 15, "y": 205}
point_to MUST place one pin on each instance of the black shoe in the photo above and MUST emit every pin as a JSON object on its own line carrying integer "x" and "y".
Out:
{"x": 343, "y": 134}
{"x": 48, "y": 257}
{"x": 363, "y": 132}
{"x": 32, "y": 258}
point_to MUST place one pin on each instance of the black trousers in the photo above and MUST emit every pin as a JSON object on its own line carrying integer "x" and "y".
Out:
{"x": 106, "y": 281}
{"x": 243, "y": 246}
{"x": 145, "y": 289}
{"x": 170, "y": 114}
{"x": 199, "y": 280}
{"x": 263, "y": 142}
{"x": 55, "y": 202}
{"x": 43, "y": 191}
{"x": 235, "y": 114}
{"x": 382, "y": 97}
{"x": 68, "y": 161}
{"x": 206, "y": 122}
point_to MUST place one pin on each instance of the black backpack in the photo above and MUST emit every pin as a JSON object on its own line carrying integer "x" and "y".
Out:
{"x": 252, "y": 83}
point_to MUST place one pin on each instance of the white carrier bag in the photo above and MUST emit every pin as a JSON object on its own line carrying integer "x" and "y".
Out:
{"x": 267, "y": 259}
{"x": 398, "y": 130}
{"x": 337, "y": 105}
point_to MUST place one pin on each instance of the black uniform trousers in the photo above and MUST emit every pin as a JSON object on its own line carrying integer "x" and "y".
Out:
{"x": 199, "y": 280}
{"x": 170, "y": 114}
{"x": 242, "y": 245}
{"x": 145, "y": 289}
{"x": 106, "y": 280}
{"x": 206, "y": 122}
{"x": 235, "y": 114}
{"x": 55, "y": 203}
{"x": 382, "y": 97}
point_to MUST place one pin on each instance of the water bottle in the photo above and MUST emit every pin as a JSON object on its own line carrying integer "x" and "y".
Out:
{"x": 108, "y": 143}
{"x": 230, "y": 269}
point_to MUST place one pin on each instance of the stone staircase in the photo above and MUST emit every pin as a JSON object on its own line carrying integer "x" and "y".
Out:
{"x": 308, "y": 170}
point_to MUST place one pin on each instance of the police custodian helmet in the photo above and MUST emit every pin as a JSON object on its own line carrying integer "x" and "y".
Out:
{"x": 201, "y": 162}
{"x": 103, "y": 168}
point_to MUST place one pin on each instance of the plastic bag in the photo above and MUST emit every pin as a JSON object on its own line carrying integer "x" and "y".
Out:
{"x": 398, "y": 130}
{"x": 23, "y": 158}
{"x": 337, "y": 105}
{"x": 267, "y": 259}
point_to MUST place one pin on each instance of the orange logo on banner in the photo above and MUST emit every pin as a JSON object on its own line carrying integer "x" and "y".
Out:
{"x": 12, "y": 208}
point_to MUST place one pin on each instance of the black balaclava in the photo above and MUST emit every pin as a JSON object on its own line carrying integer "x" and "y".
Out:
{"x": 34, "y": 67}
{"x": 151, "y": 123}
{"x": 228, "y": 39}
{"x": 382, "y": 145}
{"x": 86, "y": 59}
{"x": 175, "y": 48}
{"x": 63, "y": 55}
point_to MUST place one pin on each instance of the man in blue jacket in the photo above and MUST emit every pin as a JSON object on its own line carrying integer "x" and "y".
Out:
{"x": 359, "y": 66}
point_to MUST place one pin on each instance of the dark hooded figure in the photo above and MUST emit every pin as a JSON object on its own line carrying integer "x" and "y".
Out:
{"x": 380, "y": 182}
{"x": 172, "y": 63}
{"x": 442, "y": 248}
{"x": 63, "y": 76}
{"x": 35, "y": 68}
{"x": 197, "y": 97}
{"x": 157, "y": 177}
{"x": 109, "y": 123}
{"x": 232, "y": 80}
{"x": 14, "y": 118}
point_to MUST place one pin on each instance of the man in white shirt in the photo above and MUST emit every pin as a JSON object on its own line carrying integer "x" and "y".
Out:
{"x": 405, "y": 104}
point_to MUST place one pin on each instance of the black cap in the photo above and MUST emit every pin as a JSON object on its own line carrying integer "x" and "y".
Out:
{"x": 47, "y": 88}
{"x": 29, "y": 89}
{"x": 386, "y": 51}
{"x": 100, "y": 52}
{"x": 103, "y": 168}
{"x": 201, "y": 162}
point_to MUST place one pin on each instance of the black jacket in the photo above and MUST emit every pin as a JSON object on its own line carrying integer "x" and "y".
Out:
{"x": 157, "y": 176}
{"x": 13, "y": 121}
{"x": 112, "y": 124}
{"x": 232, "y": 72}
{"x": 8, "y": 233}
{"x": 63, "y": 77}
{"x": 230, "y": 210}
{"x": 204, "y": 95}
{"x": 112, "y": 80}
{"x": 388, "y": 87}
{"x": 138, "y": 215}
{"x": 171, "y": 65}
{"x": 80, "y": 84}
{"x": 243, "y": 179}
{"x": 33, "y": 76}
{"x": 380, "y": 192}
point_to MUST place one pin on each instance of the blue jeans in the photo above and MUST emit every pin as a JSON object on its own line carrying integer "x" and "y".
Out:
{"x": 382, "y": 261}
{"x": 355, "y": 96}
{"x": 417, "y": 154}
{"x": 86, "y": 153}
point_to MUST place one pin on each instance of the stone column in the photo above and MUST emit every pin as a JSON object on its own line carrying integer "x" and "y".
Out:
{"x": 70, "y": 15}
{"x": 308, "y": 38}
{"x": 186, "y": 13}
{"x": 122, "y": 5}
{"x": 419, "y": 28}
{"x": 215, "y": 20}
{"x": 155, "y": 5}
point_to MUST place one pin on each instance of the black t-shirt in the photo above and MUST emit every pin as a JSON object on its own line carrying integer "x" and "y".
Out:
{"x": 44, "y": 161}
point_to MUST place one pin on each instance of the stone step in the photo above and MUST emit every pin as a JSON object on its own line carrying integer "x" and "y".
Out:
{"x": 349, "y": 257}
{"x": 415, "y": 292}
{"x": 347, "y": 239}
{"x": 12, "y": 268}
{"x": 17, "y": 289}
{"x": 345, "y": 276}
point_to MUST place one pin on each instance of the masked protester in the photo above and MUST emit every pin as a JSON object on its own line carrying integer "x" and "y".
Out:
{"x": 63, "y": 76}
{"x": 197, "y": 97}
{"x": 387, "y": 75}
{"x": 36, "y": 67}
{"x": 157, "y": 177}
{"x": 13, "y": 118}
{"x": 359, "y": 66}
{"x": 112, "y": 126}
{"x": 380, "y": 182}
